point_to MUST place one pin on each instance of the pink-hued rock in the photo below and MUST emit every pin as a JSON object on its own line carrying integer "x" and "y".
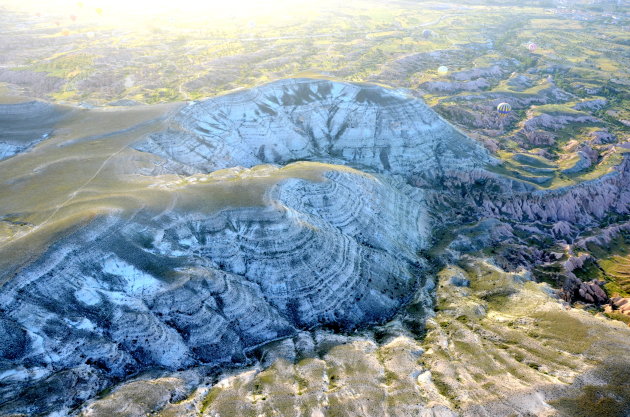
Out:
{"x": 555, "y": 122}
{"x": 591, "y": 104}
{"x": 591, "y": 292}
{"x": 580, "y": 204}
{"x": 561, "y": 229}
{"x": 452, "y": 87}
{"x": 493, "y": 71}
{"x": 538, "y": 130}
{"x": 604, "y": 236}
{"x": 539, "y": 137}
{"x": 576, "y": 262}
{"x": 39, "y": 83}
{"x": 618, "y": 305}
{"x": 481, "y": 114}
{"x": 490, "y": 144}
{"x": 621, "y": 303}
{"x": 590, "y": 153}
{"x": 600, "y": 137}
{"x": 478, "y": 117}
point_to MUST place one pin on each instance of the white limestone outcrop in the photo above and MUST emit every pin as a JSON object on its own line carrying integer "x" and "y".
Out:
{"x": 186, "y": 288}
{"x": 367, "y": 127}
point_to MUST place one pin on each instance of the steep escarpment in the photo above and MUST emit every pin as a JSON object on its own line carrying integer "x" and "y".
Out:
{"x": 581, "y": 204}
{"x": 486, "y": 194}
{"x": 191, "y": 288}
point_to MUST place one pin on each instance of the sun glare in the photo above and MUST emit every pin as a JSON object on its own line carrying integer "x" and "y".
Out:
{"x": 123, "y": 8}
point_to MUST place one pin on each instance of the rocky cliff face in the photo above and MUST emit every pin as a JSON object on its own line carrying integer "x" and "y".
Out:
{"x": 485, "y": 194}
{"x": 581, "y": 204}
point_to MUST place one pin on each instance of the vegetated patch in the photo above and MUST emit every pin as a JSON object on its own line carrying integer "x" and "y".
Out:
{"x": 611, "y": 399}
{"x": 613, "y": 261}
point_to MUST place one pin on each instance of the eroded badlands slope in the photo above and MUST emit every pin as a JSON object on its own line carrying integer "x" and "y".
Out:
{"x": 184, "y": 284}
{"x": 172, "y": 263}
{"x": 357, "y": 124}
{"x": 188, "y": 288}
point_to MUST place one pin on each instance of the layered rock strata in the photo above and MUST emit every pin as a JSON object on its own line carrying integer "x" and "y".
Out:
{"x": 185, "y": 288}
{"x": 359, "y": 125}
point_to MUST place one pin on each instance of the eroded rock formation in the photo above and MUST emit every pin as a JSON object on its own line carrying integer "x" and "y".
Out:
{"x": 186, "y": 289}
{"x": 190, "y": 289}
{"x": 359, "y": 125}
